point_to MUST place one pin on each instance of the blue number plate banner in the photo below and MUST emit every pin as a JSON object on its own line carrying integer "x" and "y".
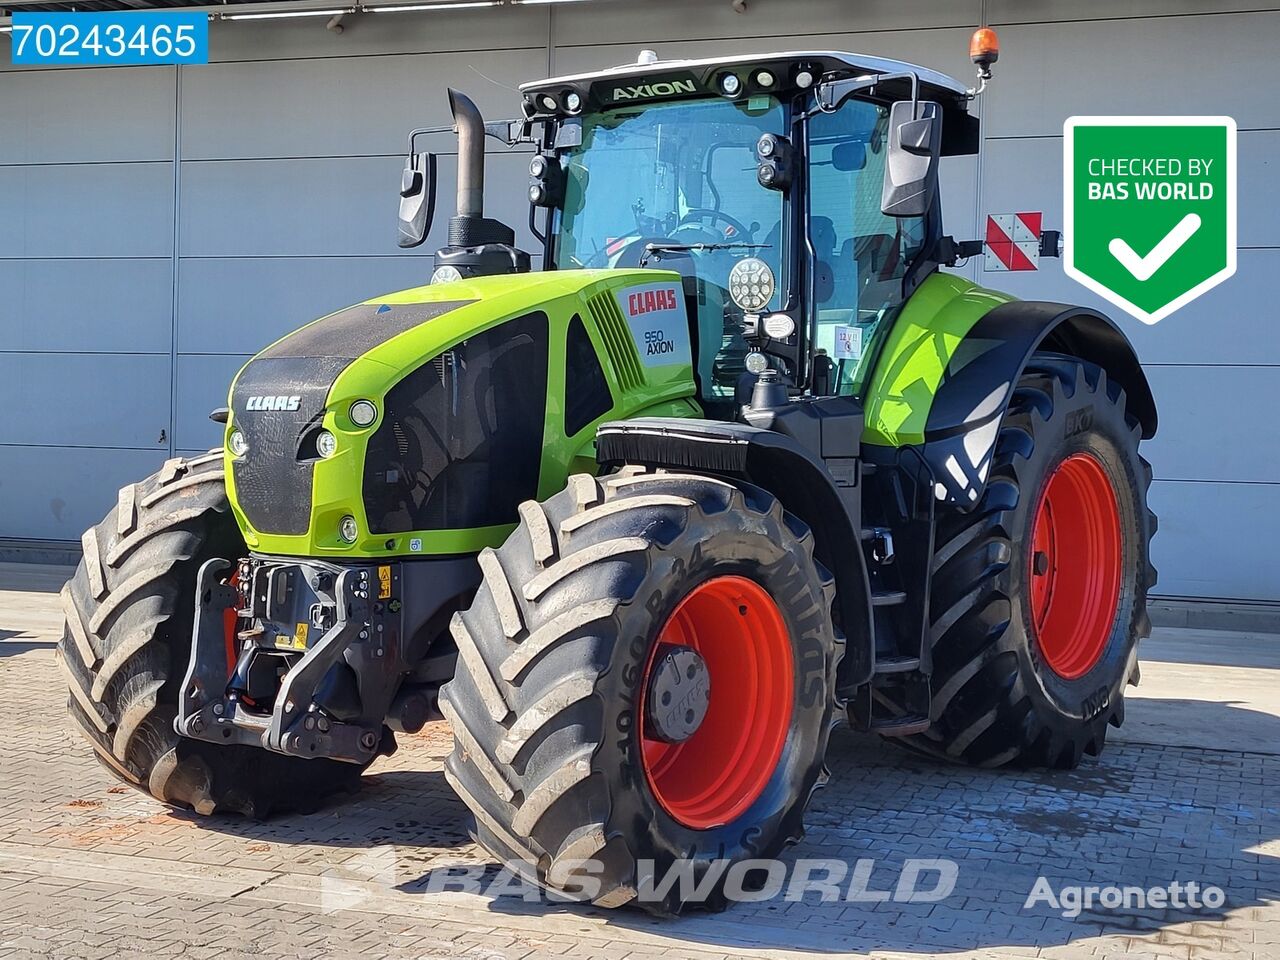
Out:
{"x": 107, "y": 39}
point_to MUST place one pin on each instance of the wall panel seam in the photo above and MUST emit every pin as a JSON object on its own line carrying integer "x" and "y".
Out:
{"x": 177, "y": 260}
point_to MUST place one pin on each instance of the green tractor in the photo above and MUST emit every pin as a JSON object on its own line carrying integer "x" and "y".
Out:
{"x": 737, "y": 463}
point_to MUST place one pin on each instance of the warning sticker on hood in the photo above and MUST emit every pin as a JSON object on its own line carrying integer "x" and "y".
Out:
{"x": 659, "y": 325}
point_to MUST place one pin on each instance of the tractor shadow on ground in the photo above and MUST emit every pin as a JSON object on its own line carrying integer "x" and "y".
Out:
{"x": 11, "y": 647}
{"x": 413, "y": 810}
{"x": 1141, "y": 815}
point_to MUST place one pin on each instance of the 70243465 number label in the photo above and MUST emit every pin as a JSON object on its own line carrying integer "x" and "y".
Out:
{"x": 106, "y": 39}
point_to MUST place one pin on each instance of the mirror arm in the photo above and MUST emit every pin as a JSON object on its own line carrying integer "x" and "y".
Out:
{"x": 510, "y": 132}
{"x": 832, "y": 94}
{"x": 422, "y": 132}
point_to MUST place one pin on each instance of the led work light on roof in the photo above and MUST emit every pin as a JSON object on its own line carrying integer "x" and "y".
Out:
{"x": 804, "y": 79}
{"x": 548, "y": 102}
{"x": 573, "y": 102}
{"x": 765, "y": 79}
{"x": 730, "y": 85}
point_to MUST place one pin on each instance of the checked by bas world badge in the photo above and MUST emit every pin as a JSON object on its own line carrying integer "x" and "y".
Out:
{"x": 1150, "y": 208}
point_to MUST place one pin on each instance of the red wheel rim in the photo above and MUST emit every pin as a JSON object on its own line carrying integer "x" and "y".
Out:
{"x": 715, "y": 775}
{"x": 1075, "y": 562}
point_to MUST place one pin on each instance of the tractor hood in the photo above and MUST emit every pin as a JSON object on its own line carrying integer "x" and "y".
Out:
{"x": 463, "y": 378}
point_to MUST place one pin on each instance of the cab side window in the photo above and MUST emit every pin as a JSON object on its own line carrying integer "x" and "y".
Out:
{"x": 862, "y": 254}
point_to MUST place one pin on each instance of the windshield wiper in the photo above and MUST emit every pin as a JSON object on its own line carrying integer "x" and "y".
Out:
{"x": 659, "y": 247}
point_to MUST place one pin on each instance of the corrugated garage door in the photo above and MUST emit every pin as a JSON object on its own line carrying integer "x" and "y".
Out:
{"x": 281, "y": 208}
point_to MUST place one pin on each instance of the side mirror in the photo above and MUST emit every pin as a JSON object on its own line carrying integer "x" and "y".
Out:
{"x": 911, "y": 167}
{"x": 417, "y": 198}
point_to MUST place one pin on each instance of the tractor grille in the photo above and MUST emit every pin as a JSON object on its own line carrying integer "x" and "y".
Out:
{"x": 273, "y": 486}
{"x": 617, "y": 340}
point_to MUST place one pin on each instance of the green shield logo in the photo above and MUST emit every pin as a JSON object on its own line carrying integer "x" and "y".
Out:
{"x": 1150, "y": 208}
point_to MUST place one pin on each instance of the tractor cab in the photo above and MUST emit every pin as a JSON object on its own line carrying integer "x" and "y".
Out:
{"x": 794, "y": 193}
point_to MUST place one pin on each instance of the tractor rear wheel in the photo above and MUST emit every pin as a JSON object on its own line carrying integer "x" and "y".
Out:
{"x": 646, "y": 674}
{"x": 1039, "y": 594}
{"x": 129, "y": 611}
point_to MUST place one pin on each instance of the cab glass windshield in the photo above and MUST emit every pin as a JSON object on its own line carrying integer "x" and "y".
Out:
{"x": 680, "y": 172}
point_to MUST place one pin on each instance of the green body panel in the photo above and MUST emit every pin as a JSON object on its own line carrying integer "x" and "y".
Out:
{"x": 909, "y": 370}
{"x": 663, "y": 390}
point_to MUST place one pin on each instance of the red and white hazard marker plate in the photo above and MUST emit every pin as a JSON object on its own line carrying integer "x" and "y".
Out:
{"x": 1013, "y": 241}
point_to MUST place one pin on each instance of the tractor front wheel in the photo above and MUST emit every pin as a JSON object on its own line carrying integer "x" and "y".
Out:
{"x": 1039, "y": 593}
{"x": 645, "y": 681}
{"x": 129, "y": 611}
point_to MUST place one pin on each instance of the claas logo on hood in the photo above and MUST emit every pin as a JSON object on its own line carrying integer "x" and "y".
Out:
{"x": 273, "y": 403}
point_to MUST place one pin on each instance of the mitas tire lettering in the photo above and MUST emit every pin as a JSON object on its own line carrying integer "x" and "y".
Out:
{"x": 653, "y": 538}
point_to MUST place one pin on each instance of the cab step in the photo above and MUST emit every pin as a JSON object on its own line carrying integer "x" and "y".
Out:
{"x": 903, "y": 726}
{"x": 896, "y": 664}
{"x": 888, "y": 598}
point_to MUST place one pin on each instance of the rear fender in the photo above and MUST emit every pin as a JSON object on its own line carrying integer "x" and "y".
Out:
{"x": 964, "y": 419}
{"x": 789, "y": 471}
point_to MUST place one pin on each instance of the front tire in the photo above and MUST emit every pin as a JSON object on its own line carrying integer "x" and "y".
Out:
{"x": 129, "y": 614}
{"x": 557, "y": 750}
{"x": 1039, "y": 593}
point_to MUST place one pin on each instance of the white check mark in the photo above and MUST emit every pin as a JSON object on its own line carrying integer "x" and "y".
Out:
{"x": 1145, "y": 267}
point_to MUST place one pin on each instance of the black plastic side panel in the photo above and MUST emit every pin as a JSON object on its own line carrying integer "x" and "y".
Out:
{"x": 795, "y": 475}
{"x": 273, "y": 486}
{"x": 965, "y": 417}
{"x": 460, "y": 444}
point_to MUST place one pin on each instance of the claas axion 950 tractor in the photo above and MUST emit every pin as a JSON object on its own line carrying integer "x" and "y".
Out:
{"x": 737, "y": 462}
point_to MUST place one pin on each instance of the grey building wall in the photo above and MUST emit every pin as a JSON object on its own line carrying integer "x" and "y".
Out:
{"x": 159, "y": 225}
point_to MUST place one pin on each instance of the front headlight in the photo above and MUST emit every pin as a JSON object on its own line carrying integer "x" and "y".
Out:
{"x": 326, "y": 444}
{"x": 237, "y": 444}
{"x": 349, "y": 530}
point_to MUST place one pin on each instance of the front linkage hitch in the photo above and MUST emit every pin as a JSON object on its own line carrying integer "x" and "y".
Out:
{"x": 325, "y": 697}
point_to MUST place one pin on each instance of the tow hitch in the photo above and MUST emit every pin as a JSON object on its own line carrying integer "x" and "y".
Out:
{"x": 312, "y": 675}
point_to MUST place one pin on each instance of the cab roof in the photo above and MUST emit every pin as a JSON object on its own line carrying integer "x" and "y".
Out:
{"x": 649, "y": 81}
{"x": 831, "y": 60}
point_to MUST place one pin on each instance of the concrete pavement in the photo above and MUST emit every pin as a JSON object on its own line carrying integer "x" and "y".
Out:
{"x": 1188, "y": 791}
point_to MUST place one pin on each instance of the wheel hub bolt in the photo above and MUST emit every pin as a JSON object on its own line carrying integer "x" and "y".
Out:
{"x": 679, "y": 694}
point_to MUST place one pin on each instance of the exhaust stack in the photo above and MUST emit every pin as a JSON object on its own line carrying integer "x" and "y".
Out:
{"x": 470, "y": 126}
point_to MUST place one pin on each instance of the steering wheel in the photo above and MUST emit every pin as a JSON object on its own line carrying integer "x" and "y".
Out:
{"x": 703, "y": 213}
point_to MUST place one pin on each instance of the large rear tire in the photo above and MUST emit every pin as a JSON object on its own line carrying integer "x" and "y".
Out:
{"x": 586, "y": 612}
{"x": 1039, "y": 594}
{"x": 129, "y": 611}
